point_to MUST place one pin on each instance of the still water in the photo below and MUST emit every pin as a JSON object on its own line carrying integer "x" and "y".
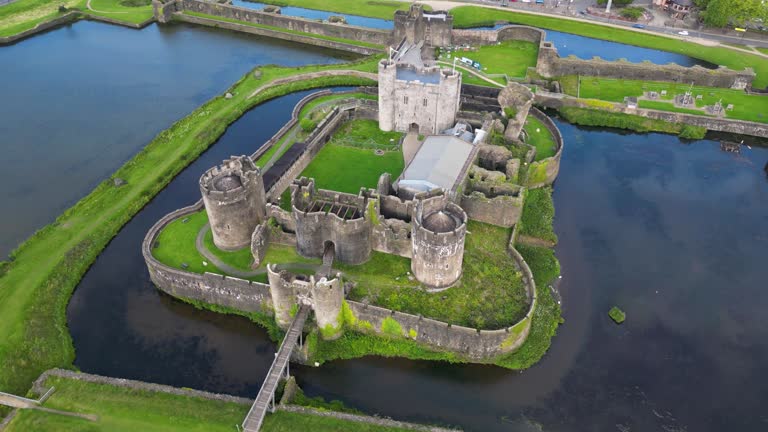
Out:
{"x": 313, "y": 14}
{"x": 79, "y": 101}
{"x": 673, "y": 232}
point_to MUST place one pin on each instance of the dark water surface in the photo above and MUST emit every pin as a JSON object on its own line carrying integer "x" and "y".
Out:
{"x": 674, "y": 233}
{"x": 79, "y": 101}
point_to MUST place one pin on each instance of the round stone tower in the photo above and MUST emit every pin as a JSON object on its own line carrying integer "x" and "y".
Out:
{"x": 327, "y": 297}
{"x": 233, "y": 194}
{"x": 283, "y": 295}
{"x": 387, "y": 76}
{"x": 438, "y": 245}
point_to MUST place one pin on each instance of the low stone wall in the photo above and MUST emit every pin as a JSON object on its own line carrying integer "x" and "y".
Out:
{"x": 40, "y": 388}
{"x": 502, "y": 210}
{"x": 208, "y": 288}
{"x": 544, "y": 172}
{"x": 344, "y": 31}
{"x": 741, "y": 127}
{"x": 244, "y": 28}
{"x": 378, "y": 421}
{"x": 490, "y": 37}
{"x": 470, "y": 343}
{"x": 64, "y": 19}
{"x": 550, "y": 65}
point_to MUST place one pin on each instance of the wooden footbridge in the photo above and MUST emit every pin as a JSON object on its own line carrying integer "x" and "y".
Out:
{"x": 265, "y": 400}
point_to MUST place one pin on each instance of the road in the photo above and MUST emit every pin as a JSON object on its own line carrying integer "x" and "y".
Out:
{"x": 571, "y": 11}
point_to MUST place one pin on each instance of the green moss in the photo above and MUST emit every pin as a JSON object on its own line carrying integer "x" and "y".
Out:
{"x": 514, "y": 333}
{"x": 538, "y": 214}
{"x": 617, "y": 315}
{"x": 329, "y": 331}
{"x": 489, "y": 295}
{"x": 348, "y": 317}
{"x": 412, "y": 333}
{"x": 294, "y": 310}
{"x": 390, "y": 327}
{"x": 590, "y": 117}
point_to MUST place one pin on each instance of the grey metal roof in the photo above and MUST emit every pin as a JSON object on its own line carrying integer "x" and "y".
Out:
{"x": 437, "y": 164}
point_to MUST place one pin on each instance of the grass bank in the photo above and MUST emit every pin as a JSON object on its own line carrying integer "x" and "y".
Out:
{"x": 594, "y": 117}
{"x": 546, "y": 319}
{"x": 745, "y": 106}
{"x": 538, "y": 214}
{"x": 23, "y": 15}
{"x": 121, "y": 409}
{"x": 490, "y": 294}
{"x": 35, "y": 286}
{"x": 475, "y": 16}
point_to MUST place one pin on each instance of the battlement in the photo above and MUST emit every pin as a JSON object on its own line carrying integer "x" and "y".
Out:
{"x": 438, "y": 235}
{"x": 230, "y": 180}
{"x": 234, "y": 198}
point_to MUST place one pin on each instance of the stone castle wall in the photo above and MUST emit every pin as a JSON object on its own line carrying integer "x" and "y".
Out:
{"x": 208, "y": 288}
{"x": 344, "y": 31}
{"x": 414, "y": 25}
{"x": 741, "y": 127}
{"x": 551, "y": 65}
{"x": 545, "y": 171}
{"x": 431, "y": 107}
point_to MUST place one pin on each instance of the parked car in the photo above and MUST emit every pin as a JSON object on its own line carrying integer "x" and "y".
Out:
{"x": 683, "y": 33}
{"x": 638, "y": 25}
{"x": 539, "y": 1}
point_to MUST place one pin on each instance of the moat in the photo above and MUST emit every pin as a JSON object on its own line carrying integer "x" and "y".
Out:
{"x": 671, "y": 230}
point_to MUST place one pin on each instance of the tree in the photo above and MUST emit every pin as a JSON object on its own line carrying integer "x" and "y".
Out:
{"x": 615, "y": 2}
{"x": 633, "y": 12}
{"x": 721, "y": 13}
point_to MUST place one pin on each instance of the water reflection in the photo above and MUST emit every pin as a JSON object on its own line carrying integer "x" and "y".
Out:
{"x": 87, "y": 97}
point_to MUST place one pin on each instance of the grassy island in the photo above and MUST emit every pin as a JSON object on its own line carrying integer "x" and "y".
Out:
{"x": 36, "y": 284}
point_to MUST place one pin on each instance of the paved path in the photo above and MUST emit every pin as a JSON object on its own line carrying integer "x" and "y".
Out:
{"x": 701, "y": 37}
{"x": 473, "y": 72}
{"x": 88, "y": 5}
{"x": 266, "y": 396}
{"x": 411, "y": 145}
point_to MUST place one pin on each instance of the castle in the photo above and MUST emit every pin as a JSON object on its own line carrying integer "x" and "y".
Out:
{"x": 453, "y": 175}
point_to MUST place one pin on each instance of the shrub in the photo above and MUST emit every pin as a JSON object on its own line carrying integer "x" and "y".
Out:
{"x": 633, "y": 12}
{"x": 390, "y": 327}
{"x": 692, "y": 132}
{"x": 307, "y": 125}
{"x": 617, "y": 315}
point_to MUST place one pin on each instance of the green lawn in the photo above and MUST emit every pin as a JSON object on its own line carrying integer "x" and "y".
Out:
{"x": 23, "y": 15}
{"x": 473, "y": 16}
{"x": 538, "y": 214}
{"x": 745, "y": 106}
{"x": 490, "y": 294}
{"x": 512, "y": 58}
{"x": 175, "y": 245}
{"x": 348, "y": 162}
{"x": 540, "y": 137}
{"x": 546, "y": 319}
{"x": 121, "y": 409}
{"x": 242, "y": 259}
{"x": 283, "y": 30}
{"x": 132, "y": 11}
{"x": 36, "y": 285}
{"x": 384, "y": 9}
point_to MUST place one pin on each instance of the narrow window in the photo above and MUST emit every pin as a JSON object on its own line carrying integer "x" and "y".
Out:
{"x": 405, "y": 100}
{"x": 425, "y": 101}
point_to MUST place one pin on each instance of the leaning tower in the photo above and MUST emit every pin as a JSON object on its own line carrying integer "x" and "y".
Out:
{"x": 234, "y": 199}
{"x": 439, "y": 231}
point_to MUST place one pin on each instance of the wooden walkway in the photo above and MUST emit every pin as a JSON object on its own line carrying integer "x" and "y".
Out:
{"x": 266, "y": 398}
